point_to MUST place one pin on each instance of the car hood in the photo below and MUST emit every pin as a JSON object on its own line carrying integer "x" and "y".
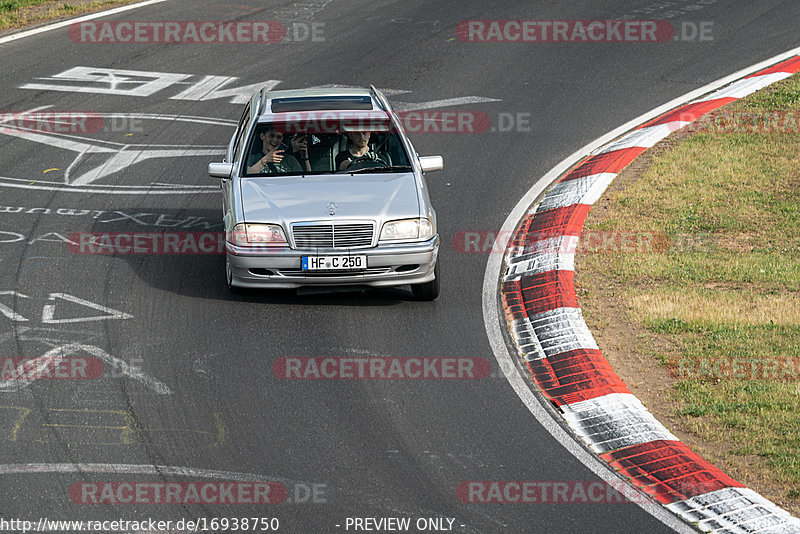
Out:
{"x": 288, "y": 199}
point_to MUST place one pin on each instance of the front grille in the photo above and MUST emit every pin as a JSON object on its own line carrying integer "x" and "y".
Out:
{"x": 332, "y": 235}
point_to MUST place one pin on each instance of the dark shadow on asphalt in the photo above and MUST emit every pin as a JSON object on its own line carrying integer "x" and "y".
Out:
{"x": 203, "y": 275}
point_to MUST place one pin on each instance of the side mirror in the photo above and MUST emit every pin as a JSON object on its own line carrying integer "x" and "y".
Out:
{"x": 220, "y": 170}
{"x": 431, "y": 163}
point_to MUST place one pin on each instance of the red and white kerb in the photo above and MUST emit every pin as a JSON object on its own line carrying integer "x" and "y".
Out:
{"x": 548, "y": 329}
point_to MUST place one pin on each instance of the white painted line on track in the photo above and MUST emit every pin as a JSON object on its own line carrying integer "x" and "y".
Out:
{"x": 61, "y": 24}
{"x": 494, "y": 321}
{"x": 747, "y": 86}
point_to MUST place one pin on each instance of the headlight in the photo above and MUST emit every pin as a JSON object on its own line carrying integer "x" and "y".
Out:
{"x": 257, "y": 234}
{"x": 407, "y": 229}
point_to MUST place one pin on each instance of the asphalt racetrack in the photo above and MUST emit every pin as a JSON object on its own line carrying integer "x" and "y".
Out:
{"x": 188, "y": 394}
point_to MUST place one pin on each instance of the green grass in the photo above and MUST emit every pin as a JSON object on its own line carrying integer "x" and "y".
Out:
{"x": 766, "y": 272}
{"x": 762, "y": 416}
{"x": 750, "y": 342}
{"x": 20, "y": 13}
{"x": 728, "y": 286}
{"x": 12, "y": 5}
{"x": 784, "y": 97}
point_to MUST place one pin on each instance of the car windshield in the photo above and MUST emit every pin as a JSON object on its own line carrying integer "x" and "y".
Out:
{"x": 291, "y": 148}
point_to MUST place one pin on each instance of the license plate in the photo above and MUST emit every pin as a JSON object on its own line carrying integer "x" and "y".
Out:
{"x": 334, "y": 263}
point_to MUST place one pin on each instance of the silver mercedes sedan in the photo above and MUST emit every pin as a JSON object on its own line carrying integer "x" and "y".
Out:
{"x": 321, "y": 187}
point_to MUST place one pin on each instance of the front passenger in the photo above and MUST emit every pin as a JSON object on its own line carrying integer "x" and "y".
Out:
{"x": 272, "y": 158}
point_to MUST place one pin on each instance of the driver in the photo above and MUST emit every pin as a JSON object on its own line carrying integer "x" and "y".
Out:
{"x": 359, "y": 151}
{"x": 272, "y": 158}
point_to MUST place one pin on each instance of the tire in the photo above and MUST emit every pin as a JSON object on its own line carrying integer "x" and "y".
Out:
{"x": 428, "y": 290}
{"x": 229, "y": 278}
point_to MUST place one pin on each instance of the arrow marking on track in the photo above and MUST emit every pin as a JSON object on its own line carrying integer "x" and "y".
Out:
{"x": 48, "y": 311}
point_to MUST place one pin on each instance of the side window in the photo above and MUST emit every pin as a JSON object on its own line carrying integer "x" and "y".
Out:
{"x": 395, "y": 150}
{"x": 241, "y": 132}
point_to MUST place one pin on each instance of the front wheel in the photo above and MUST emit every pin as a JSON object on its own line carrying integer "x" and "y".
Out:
{"x": 428, "y": 290}
{"x": 229, "y": 276}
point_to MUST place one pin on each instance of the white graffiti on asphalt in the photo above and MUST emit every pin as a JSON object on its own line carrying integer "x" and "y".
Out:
{"x": 97, "y": 160}
{"x": 55, "y": 355}
{"x": 143, "y": 83}
{"x": 162, "y": 220}
{"x": 117, "y": 157}
{"x": 49, "y": 309}
{"x": 64, "y": 341}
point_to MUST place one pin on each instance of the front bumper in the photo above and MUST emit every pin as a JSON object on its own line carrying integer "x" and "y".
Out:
{"x": 387, "y": 265}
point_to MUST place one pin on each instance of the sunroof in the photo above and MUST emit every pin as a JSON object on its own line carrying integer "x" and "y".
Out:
{"x": 321, "y": 103}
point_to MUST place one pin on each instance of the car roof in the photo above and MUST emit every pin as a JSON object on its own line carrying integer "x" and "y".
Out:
{"x": 319, "y": 99}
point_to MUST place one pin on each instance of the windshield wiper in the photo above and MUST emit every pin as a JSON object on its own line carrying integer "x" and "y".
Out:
{"x": 385, "y": 168}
